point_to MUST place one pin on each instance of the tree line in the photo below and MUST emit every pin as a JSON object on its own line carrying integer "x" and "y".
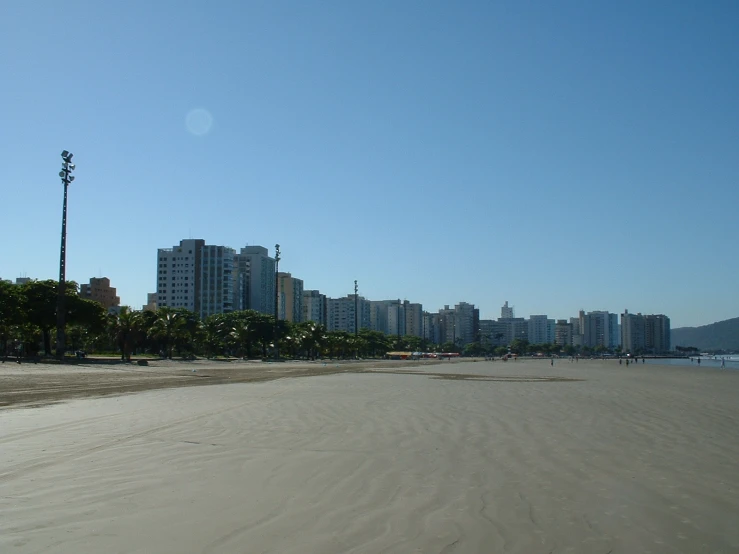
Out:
{"x": 28, "y": 323}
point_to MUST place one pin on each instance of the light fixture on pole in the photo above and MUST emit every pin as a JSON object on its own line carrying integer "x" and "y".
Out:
{"x": 67, "y": 177}
{"x": 277, "y": 300}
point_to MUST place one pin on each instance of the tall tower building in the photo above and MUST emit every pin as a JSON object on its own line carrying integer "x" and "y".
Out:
{"x": 314, "y": 306}
{"x": 506, "y": 312}
{"x": 541, "y": 329}
{"x": 216, "y": 289}
{"x": 413, "y": 319}
{"x": 290, "y": 299}
{"x": 178, "y": 275}
{"x": 254, "y": 280}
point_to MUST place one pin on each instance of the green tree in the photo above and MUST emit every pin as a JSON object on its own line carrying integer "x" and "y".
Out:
{"x": 242, "y": 334}
{"x": 126, "y": 330}
{"x": 12, "y": 315}
{"x": 474, "y": 349}
{"x": 501, "y": 351}
{"x": 214, "y": 330}
{"x": 168, "y": 327}
{"x": 40, "y": 308}
{"x": 519, "y": 346}
{"x": 450, "y": 347}
{"x": 377, "y": 343}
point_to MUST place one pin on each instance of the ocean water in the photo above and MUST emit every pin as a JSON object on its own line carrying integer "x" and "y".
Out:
{"x": 732, "y": 361}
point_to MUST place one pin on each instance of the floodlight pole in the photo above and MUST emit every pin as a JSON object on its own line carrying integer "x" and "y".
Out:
{"x": 356, "y": 313}
{"x": 66, "y": 175}
{"x": 277, "y": 301}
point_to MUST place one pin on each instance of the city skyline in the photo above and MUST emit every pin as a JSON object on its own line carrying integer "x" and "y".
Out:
{"x": 557, "y": 156}
{"x": 505, "y": 310}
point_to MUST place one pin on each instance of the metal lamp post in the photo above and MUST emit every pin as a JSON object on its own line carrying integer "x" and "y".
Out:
{"x": 277, "y": 301}
{"x": 398, "y": 321}
{"x": 67, "y": 177}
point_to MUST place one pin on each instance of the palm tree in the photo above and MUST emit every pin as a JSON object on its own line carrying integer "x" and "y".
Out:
{"x": 242, "y": 335}
{"x": 125, "y": 328}
{"x": 313, "y": 338}
{"x": 212, "y": 331}
{"x": 168, "y": 327}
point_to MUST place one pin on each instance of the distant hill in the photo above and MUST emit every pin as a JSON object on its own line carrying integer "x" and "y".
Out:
{"x": 722, "y": 335}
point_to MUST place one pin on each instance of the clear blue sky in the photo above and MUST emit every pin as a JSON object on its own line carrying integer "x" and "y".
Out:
{"x": 558, "y": 155}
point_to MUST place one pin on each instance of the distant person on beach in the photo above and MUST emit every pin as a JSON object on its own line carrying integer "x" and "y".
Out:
{"x": 723, "y": 363}
{"x": 552, "y": 360}
{"x": 699, "y": 361}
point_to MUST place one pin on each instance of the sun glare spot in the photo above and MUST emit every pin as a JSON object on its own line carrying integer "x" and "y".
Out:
{"x": 199, "y": 121}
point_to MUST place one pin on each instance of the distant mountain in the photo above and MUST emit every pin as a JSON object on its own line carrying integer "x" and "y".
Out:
{"x": 722, "y": 335}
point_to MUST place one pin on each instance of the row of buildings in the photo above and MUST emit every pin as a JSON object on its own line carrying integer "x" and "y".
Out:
{"x": 210, "y": 279}
{"x": 635, "y": 332}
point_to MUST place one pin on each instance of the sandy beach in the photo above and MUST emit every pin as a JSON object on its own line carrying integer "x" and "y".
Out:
{"x": 516, "y": 457}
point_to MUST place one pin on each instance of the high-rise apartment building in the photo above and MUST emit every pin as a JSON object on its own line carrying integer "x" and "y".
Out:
{"x": 514, "y": 328}
{"x": 211, "y": 279}
{"x": 459, "y": 326}
{"x": 378, "y": 315}
{"x": 340, "y": 313}
{"x": 541, "y": 329}
{"x": 657, "y": 331}
{"x": 99, "y": 290}
{"x": 290, "y": 299}
{"x": 487, "y": 332}
{"x": 506, "y": 312}
{"x": 215, "y": 287}
{"x": 396, "y": 318}
{"x": 413, "y": 319}
{"x": 314, "y": 306}
{"x": 563, "y": 333}
{"x": 645, "y": 334}
{"x": 254, "y": 280}
{"x": 600, "y": 328}
{"x": 178, "y": 275}
{"x": 633, "y": 338}
{"x": 433, "y": 328}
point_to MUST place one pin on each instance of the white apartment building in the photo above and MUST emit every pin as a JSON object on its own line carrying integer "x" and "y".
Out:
{"x": 340, "y": 313}
{"x": 211, "y": 279}
{"x": 178, "y": 275}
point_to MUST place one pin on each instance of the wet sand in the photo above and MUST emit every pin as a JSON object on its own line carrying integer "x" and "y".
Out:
{"x": 515, "y": 457}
